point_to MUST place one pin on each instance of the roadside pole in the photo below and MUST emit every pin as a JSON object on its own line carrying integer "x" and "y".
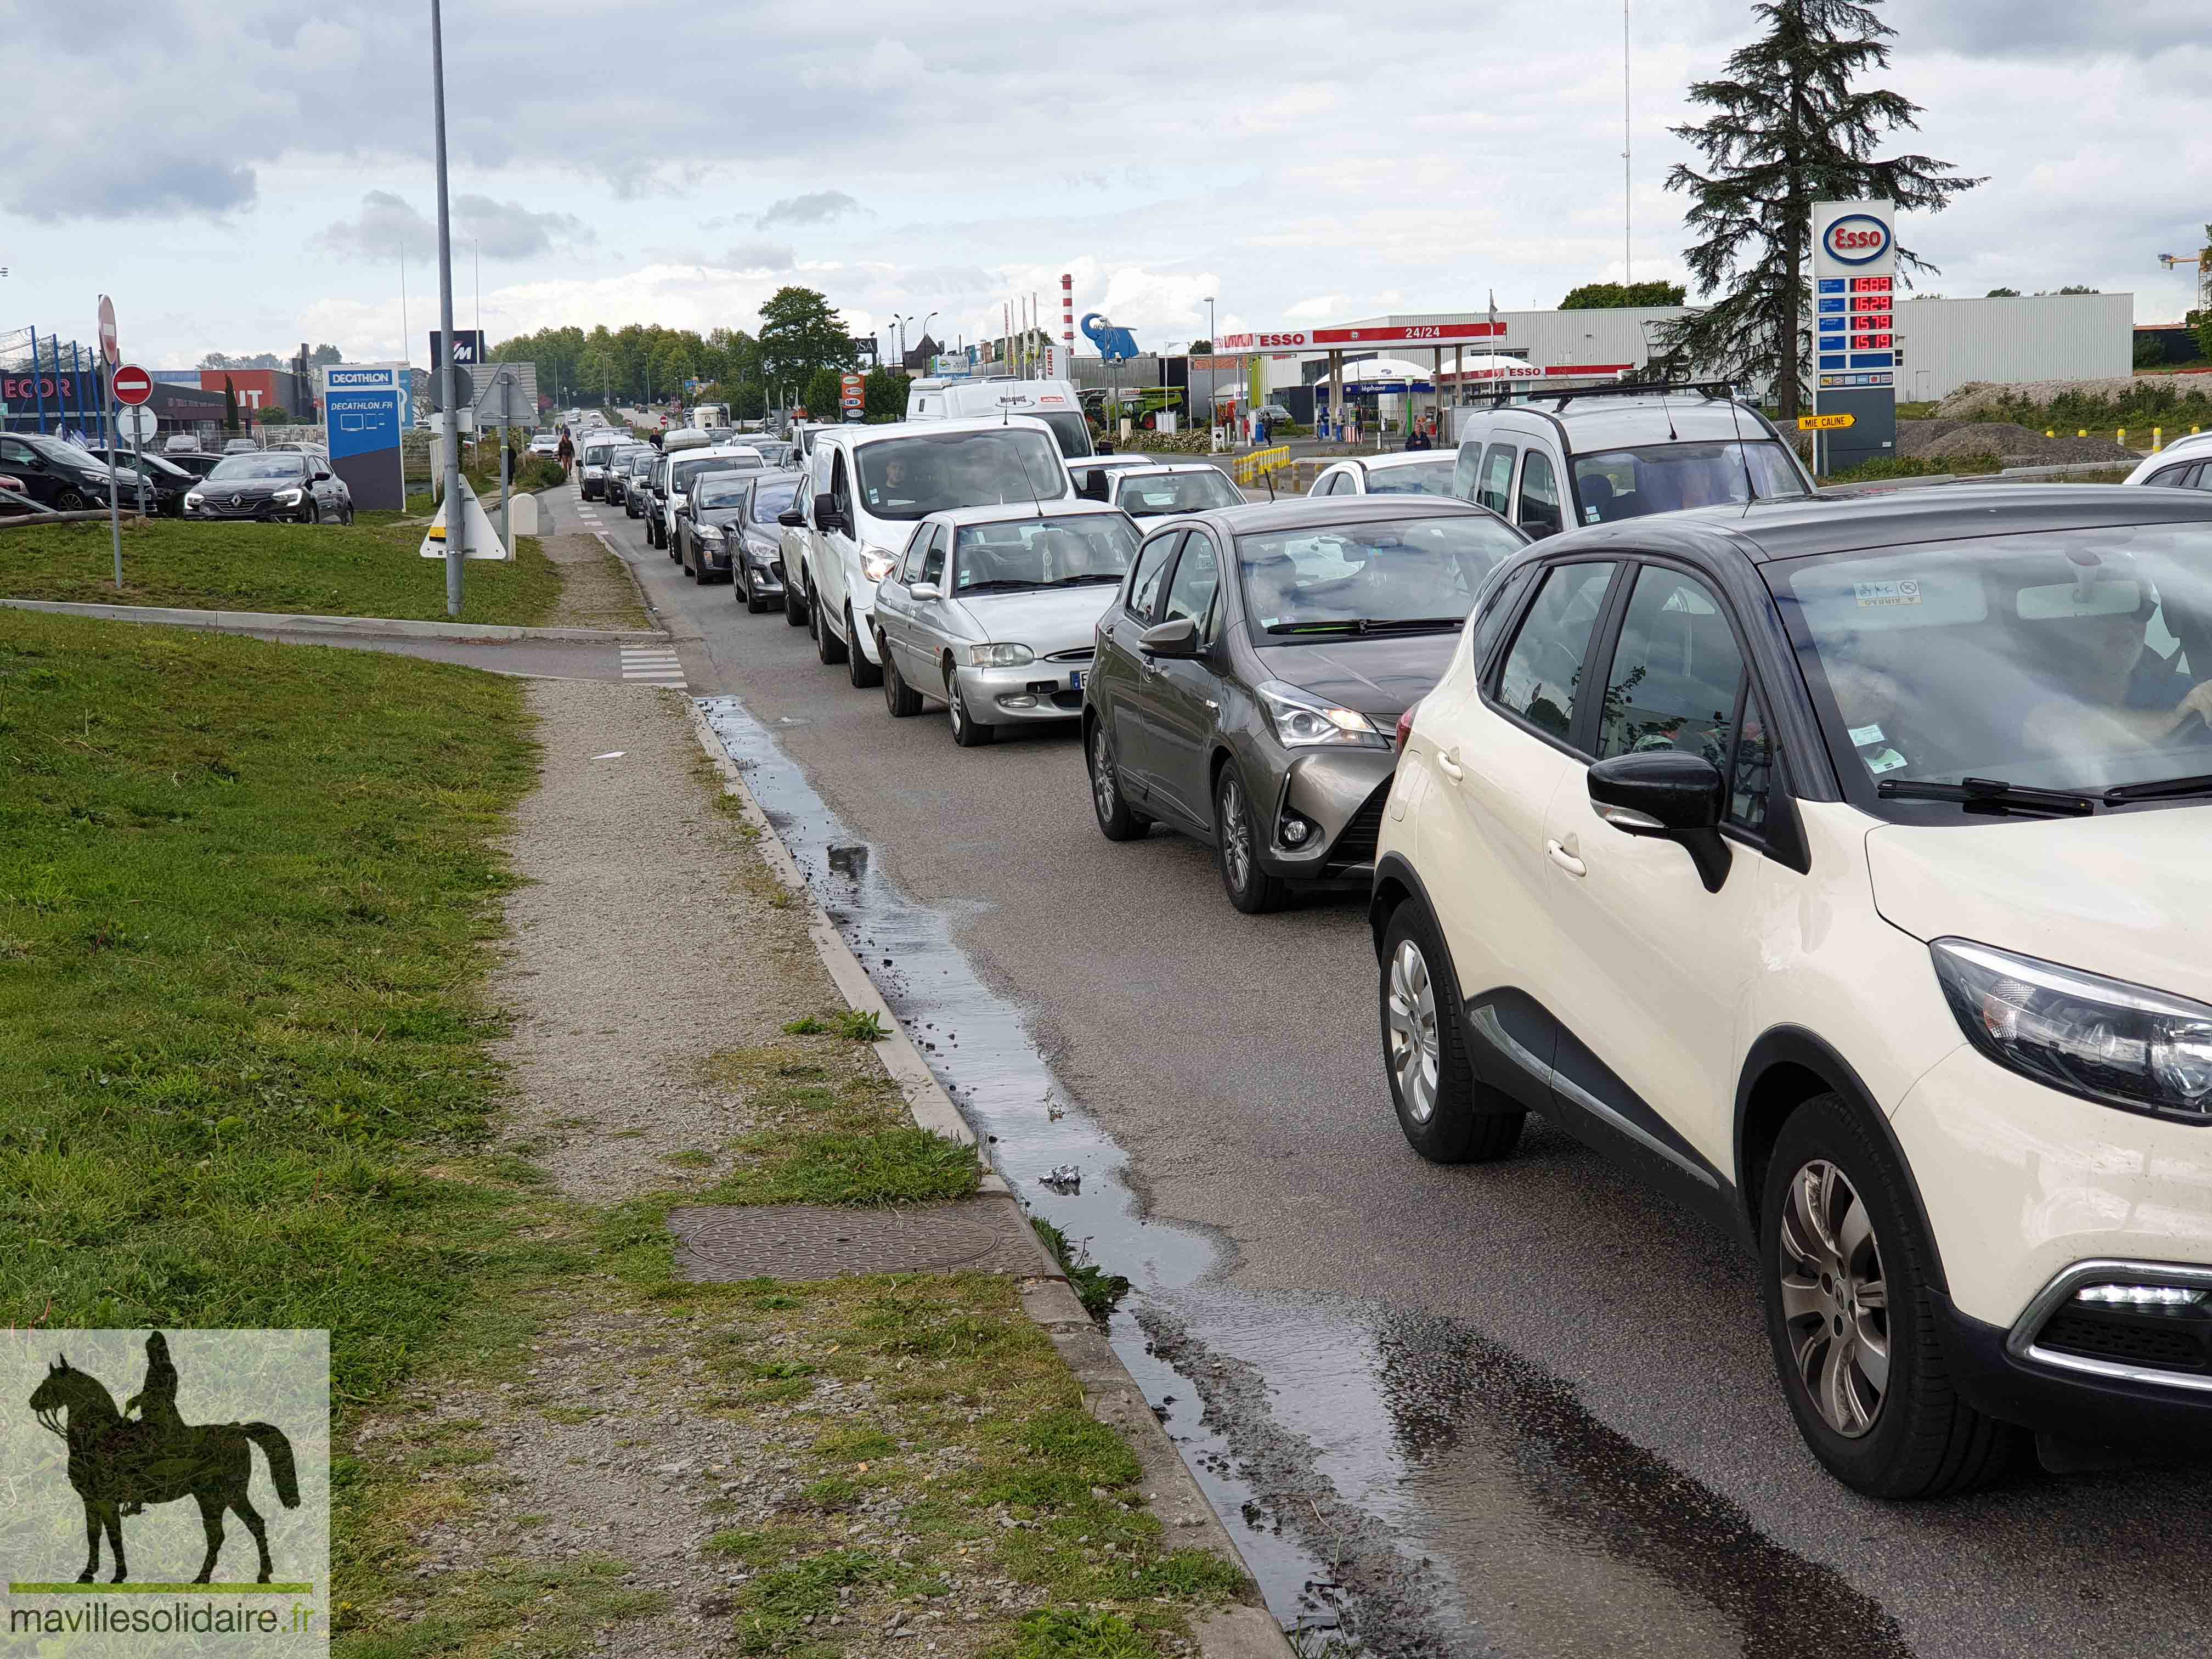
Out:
{"x": 111, "y": 355}
{"x": 456, "y": 519}
{"x": 506, "y": 449}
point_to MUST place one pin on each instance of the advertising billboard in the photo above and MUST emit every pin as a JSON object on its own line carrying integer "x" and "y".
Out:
{"x": 364, "y": 407}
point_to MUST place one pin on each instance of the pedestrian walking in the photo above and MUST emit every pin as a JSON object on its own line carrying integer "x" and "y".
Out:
{"x": 566, "y": 454}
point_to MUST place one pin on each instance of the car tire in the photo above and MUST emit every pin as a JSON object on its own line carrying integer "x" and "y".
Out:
{"x": 754, "y": 603}
{"x": 795, "y": 603}
{"x": 673, "y": 541}
{"x": 902, "y": 699}
{"x": 348, "y": 514}
{"x": 1446, "y": 1116}
{"x": 1837, "y": 1220}
{"x": 1237, "y": 847}
{"x": 967, "y": 731}
{"x": 1110, "y": 797}
{"x": 68, "y": 500}
{"x": 827, "y": 648}
{"x": 652, "y": 534}
{"x": 864, "y": 675}
{"x": 313, "y": 513}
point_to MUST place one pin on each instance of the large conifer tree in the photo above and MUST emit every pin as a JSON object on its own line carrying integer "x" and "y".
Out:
{"x": 1789, "y": 129}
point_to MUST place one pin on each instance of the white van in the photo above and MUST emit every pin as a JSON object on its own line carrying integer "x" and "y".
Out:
{"x": 1053, "y": 401}
{"x": 1560, "y": 459}
{"x": 710, "y": 414}
{"x": 866, "y": 488}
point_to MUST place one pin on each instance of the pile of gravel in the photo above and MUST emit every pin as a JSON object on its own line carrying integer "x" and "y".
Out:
{"x": 1978, "y": 398}
{"x": 2015, "y": 445}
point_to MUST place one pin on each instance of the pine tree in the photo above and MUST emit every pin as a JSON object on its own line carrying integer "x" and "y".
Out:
{"x": 1788, "y": 130}
{"x": 229, "y": 405}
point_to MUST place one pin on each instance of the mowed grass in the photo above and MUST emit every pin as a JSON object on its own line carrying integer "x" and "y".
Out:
{"x": 371, "y": 568}
{"x": 245, "y": 891}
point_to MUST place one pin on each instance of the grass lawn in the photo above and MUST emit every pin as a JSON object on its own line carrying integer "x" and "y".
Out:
{"x": 367, "y": 568}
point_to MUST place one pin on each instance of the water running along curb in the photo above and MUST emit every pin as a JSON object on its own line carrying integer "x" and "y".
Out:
{"x": 1110, "y": 1393}
{"x": 283, "y": 621}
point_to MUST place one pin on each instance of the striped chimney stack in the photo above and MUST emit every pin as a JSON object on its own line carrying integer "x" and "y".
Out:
{"x": 1067, "y": 322}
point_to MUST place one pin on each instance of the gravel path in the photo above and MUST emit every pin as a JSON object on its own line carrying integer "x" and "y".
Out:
{"x": 597, "y": 590}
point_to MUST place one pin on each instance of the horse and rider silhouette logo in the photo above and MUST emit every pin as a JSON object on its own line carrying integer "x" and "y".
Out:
{"x": 119, "y": 1464}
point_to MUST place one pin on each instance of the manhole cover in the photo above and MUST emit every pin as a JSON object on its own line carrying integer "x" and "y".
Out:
{"x": 725, "y": 1242}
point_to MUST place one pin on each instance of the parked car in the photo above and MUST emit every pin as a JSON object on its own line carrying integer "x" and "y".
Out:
{"x": 597, "y": 451}
{"x": 14, "y": 486}
{"x": 165, "y": 482}
{"x": 1606, "y": 454}
{"x": 1155, "y": 492}
{"x": 1093, "y": 473}
{"x": 866, "y": 488}
{"x": 1833, "y": 862}
{"x": 686, "y": 466}
{"x": 615, "y": 485}
{"x": 1408, "y": 472}
{"x": 180, "y": 443}
{"x": 240, "y": 446}
{"x": 2179, "y": 465}
{"x": 637, "y": 481}
{"x": 708, "y": 523}
{"x": 56, "y": 473}
{"x": 993, "y": 611}
{"x": 757, "y": 573}
{"x": 1250, "y": 676}
{"x": 197, "y": 462}
{"x": 278, "y": 484}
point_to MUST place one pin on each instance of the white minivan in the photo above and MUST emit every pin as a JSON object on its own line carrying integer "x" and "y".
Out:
{"x": 1053, "y": 401}
{"x": 867, "y": 486}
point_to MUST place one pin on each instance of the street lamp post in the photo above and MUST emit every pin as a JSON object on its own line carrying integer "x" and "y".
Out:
{"x": 1212, "y": 351}
{"x": 456, "y": 519}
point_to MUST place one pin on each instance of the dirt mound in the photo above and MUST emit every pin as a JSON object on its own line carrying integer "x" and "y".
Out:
{"x": 2017, "y": 446}
{"x": 1913, "y": 437}
{"x": 1981, "y": 397}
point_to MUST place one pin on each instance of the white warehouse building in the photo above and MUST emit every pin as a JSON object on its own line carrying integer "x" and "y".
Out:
{"x": 1943, "y": 344}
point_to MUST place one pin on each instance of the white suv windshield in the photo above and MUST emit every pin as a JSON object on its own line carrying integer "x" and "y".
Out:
{"x": 910, "y": 477}
{"x": 1353, "y": 578}
{"x": 2064, "y": 661}
{"x": 1627, "y": 483}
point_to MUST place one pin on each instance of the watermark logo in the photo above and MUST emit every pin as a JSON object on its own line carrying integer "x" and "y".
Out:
{"x": 166, "y": 1492}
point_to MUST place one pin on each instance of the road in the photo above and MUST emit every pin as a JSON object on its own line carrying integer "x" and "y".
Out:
{"x": 1523, "y": 1409}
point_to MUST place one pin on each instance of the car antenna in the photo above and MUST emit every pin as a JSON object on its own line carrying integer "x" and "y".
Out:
{"x": 1735, "y": 416}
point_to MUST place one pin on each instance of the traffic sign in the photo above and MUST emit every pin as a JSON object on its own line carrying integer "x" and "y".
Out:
{"x": 109, "y": 348}
{"x": 132, "y": 384}
{"x": 1825, "y": 423}
{"x": 134, "y": 423}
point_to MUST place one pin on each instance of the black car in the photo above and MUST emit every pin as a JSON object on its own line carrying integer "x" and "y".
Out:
{"x": 709, "y": 522}
{"x": 57, "y": 474}
{"x": 166, "y": 483}
{"x": 1250, "y": 676}
{"x": 757, "y": 573}
{"x": 197, "y": 462}
{"x": 615, "y": 485}
{"x": 272, "y": 484}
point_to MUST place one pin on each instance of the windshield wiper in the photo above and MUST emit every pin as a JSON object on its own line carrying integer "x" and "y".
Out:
{"x": 996, "y": 582}
{"x": 1991, "y": 794}
{"x": 1369, "y": 625}
{"x": 1094, "y": 576}
{"x": 2159, "y": 789}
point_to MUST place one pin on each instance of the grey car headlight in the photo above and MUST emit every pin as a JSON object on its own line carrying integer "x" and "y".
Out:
{"x": 1000, "y": 656}
{"x": 287, "y": 498}
{"x": 706, "y": 532}
{"x": 193, "y": 498}
{"x": 2119, "y": 1044}
{"x": 1302, "y": 720}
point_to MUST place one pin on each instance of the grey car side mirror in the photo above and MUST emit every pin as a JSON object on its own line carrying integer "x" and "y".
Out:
{"x": 925, "y": 591}
{"x": 1177, "y": 637}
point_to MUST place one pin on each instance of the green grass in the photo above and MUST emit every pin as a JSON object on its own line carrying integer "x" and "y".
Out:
{"x": 891, "y": 1166}
{"x": 1099, "y": 1291}
{"x": 367, "y": 568}
{"x": 244, "y": 890}
{"x": 853, "y": 1024}
{"x": 1916, "y": 466}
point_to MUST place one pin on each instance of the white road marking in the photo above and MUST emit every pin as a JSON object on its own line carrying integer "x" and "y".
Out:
{"x": 652, "y": 665}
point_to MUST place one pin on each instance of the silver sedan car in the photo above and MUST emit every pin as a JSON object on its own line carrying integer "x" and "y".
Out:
{"x": 991, "y": 611}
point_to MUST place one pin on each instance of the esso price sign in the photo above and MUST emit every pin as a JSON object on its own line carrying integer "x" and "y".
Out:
{"x": 1856, "y": 239}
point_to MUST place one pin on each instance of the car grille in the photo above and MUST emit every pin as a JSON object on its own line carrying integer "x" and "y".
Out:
{"x": 1355, "y": 842}
{"x": 1081, "y": 653}
{"x": 2160, "y": 1342}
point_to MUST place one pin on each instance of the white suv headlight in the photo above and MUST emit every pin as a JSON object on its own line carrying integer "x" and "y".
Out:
{"x": 1000, "y": 656}
{"x": 2118, "y": 1044}
{"x": 1302, "y": 720}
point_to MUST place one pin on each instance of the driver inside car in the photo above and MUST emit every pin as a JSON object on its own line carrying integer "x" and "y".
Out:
{"x": 2122, "y": 691}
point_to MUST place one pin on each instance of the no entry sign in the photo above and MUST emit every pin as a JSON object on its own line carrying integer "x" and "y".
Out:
{"x": 108, "y": 348}
{"x": 133, "y": 385}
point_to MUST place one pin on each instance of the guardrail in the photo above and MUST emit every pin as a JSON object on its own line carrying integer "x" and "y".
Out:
{"x": 1250, "y": 469}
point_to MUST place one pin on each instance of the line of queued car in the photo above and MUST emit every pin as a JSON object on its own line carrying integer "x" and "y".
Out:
{"x": 1833, "y": 863}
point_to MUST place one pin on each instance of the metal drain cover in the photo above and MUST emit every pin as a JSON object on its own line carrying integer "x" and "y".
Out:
{"x": 726, "y": 1241}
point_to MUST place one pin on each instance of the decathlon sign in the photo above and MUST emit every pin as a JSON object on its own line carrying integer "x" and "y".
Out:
{"x": 364, "y": 412}
{"x": 1367, "y": 338}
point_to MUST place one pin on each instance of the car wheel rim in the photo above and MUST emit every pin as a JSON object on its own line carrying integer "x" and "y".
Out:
{"x": 958, "y": 710}
{"x": 1103, "y": 792}
{"x": 1835, "y": 1298}
{"x": 1409, "y": 1011}
{"x": 1236, "y": 842}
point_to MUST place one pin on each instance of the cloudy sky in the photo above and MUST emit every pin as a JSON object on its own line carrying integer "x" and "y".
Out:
{"x": 245, "y": 174}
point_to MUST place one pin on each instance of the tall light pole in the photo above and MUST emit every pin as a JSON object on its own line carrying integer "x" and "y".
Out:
{"x": 926, "y": 322}
{"x": 1212, "y": 351}
{"x": 456, "y": 519}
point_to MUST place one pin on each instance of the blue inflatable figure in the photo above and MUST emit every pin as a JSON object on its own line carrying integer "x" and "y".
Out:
{"x": 1115, "y": 345}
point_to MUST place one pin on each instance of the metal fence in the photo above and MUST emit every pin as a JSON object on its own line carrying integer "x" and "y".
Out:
{"x": 49, "y": 384}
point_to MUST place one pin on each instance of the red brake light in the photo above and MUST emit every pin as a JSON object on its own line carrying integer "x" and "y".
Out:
{"x": 1405, "y": 727}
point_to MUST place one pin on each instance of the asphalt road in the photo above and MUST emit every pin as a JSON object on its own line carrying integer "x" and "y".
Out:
{"x": 1525, "y": 1408}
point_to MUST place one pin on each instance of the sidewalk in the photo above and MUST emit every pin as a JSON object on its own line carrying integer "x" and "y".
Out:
{"x": 650, "y": 1449}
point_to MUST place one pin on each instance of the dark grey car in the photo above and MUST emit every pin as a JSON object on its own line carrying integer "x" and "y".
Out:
{"x": 1249, "y": 677}
{"x": 758, "y": 554}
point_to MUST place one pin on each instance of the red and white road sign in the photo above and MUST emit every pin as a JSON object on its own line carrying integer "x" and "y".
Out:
{"x": 132, "y": 384}
{"x": 108, "y": 348}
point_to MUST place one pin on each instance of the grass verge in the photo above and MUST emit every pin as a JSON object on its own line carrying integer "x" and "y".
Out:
{"x": 367, "y": 568}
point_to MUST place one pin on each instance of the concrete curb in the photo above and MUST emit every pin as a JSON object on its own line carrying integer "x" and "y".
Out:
{"x": 280, "y": 622}
{"x": 1109, "y": 1393}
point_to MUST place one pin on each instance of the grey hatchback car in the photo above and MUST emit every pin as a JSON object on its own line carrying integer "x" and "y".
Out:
{"x": 1250, "y": 676}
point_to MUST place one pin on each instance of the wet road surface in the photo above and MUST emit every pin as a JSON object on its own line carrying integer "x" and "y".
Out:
{"x": 1525, "y": 1408}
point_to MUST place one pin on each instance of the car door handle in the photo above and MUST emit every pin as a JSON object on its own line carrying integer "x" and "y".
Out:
{"x": 1448, "y": 764}
{"x": 1566, "y": 860}
{"x": 1213, "y": 705}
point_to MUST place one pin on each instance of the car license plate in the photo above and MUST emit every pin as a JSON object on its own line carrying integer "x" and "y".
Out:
{"x": 1075, "y": 680}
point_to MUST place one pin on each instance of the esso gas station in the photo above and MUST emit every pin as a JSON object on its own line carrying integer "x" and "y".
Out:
{"x": 1436, "y": 337}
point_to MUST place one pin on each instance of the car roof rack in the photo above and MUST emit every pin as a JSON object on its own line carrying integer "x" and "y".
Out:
{"x": 1720, "y": 389}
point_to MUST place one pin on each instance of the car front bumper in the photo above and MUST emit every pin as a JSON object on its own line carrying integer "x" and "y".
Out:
{"x": 1338, "y": 795}
{"x": 710, "y": 556}
{"x": 765, "y": 576}
{"x": 249, "y": 513}
{"x": 1016, "y": 696}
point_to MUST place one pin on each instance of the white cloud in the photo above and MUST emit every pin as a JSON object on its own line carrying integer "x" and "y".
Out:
{"x": 1320, "y": 307}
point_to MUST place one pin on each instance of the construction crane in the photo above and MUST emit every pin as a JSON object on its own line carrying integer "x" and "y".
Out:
{"x": 2202, "y": 263}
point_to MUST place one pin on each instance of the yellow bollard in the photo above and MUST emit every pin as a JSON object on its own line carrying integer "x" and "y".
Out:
{"x": 2123, "y": 437}
{"x": 2080, "y": 431}
{"x": 2048, "y": 433}
{"x": 2157, "y": 439}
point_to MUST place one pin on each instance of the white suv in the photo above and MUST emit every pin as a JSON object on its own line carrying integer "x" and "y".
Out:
{"x": 1840, "y": 864}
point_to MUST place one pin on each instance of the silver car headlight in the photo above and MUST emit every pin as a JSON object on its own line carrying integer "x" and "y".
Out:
{"x": 2119, "y": 1044}
{"x": 193, "y": 498}
{"x": 706, "y": 532}
{"x": 1000, "y": 656}
{"x": 287, "y": 498}
{"x": 1302, "y": 720}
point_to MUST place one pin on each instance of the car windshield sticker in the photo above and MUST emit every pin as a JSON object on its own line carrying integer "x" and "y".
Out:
{"x": 1888, "y": 761}
{"x": 1863, "y": 735}
{"x": 1589, "y": 515}
{"x": 1905, "y": 591}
